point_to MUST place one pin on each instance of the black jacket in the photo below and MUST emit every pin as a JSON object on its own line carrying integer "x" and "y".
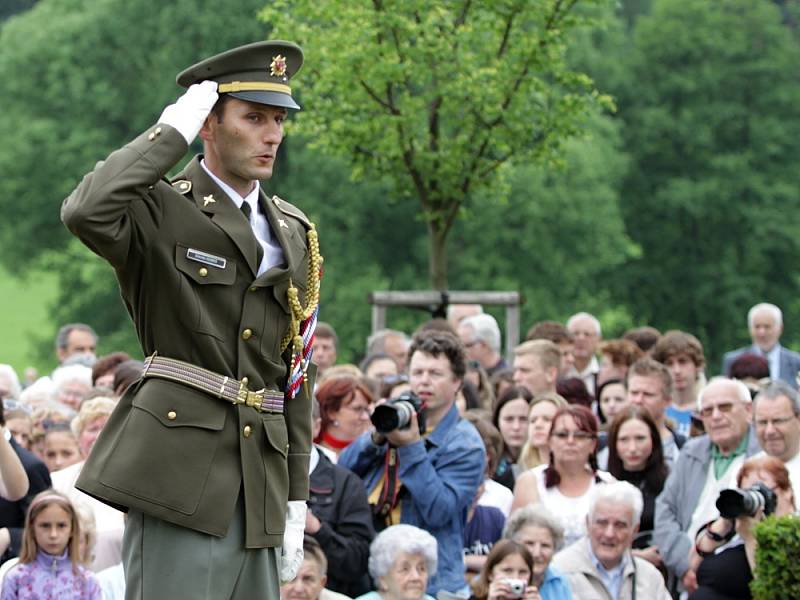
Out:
{"x": 12, "y": 514}
{"x": 338, "y": 499}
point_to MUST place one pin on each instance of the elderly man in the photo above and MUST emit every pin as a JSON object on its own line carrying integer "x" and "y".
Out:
{"x": 601, "y": 565}
{"x": 707, "y": 465}
{"x": 481, "y": 337}
{"x": 776, "y": 413}
{"x": 391, "y": 342}
{"x": 586, "y": 335}
{"x": 765, "y": 322}
{"x": 536, "y": 366}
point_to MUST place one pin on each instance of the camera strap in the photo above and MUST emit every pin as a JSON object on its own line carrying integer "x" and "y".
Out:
{"x": 391, "y": 485}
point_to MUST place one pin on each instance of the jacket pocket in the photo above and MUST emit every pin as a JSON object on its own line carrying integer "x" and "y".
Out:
{"x": 167, "y": 445}
{"x": 276, "y": 493}
{"x": 204, "y": 289}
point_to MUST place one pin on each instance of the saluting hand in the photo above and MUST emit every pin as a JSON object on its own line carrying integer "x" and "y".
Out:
{"x": 189, "y": 112}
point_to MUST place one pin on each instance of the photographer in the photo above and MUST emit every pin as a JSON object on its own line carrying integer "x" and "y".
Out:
{"x": 724, "y": 552}
{"x": 429, "y": 478}
{"x": 507, "y": 574}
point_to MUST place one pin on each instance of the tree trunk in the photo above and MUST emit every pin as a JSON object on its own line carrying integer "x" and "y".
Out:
{"x": 437, "y": 260}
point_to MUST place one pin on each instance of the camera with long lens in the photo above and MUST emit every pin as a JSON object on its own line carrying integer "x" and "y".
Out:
{"x": 396, "y": 413}
{"x": 736, "y": 503}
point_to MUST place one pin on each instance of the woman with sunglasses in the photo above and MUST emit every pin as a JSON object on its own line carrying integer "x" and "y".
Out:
{"x": 565, "y": 483}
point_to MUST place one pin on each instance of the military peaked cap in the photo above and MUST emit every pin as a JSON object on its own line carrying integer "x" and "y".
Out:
{"x": 258, "y": 72}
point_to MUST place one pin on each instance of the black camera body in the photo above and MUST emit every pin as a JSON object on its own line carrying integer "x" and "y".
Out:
{"x": 396, "y": 413}
{"x": 736, "y": 503}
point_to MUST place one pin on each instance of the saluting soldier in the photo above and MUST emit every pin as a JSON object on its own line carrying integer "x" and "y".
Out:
{"x": 209, "y": 451}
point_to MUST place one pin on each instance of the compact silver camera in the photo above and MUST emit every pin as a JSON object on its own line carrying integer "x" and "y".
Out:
{"x": 517, "y": 587}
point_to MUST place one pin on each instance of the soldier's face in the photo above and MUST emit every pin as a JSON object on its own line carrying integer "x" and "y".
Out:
{"x": 242, "y": 145}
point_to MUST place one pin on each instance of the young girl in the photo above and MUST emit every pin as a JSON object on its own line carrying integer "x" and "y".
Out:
{"x": 49, "y": 561}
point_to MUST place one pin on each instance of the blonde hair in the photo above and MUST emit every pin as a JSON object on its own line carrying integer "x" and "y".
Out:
{"x": 529, "y": 455}
{"x": 41, "y": 501}
{"x": 101, "y": 406}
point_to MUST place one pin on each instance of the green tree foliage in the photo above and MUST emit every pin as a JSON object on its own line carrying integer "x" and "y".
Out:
{"x": 777, "y": 572}
{"x": 555, "y": 238}
{"x": 436, "y": 97}
{"x": 712, "y": 123}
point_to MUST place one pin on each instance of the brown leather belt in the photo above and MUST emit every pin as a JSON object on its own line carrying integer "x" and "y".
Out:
{"x": 214, "y": 384}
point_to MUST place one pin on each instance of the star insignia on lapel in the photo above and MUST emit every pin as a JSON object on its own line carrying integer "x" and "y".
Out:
{"x": 282, "y": 223}
{"x": 208, "y": 200}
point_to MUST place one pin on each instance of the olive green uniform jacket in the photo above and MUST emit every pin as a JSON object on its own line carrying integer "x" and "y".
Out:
{"x": 168, "y": 450}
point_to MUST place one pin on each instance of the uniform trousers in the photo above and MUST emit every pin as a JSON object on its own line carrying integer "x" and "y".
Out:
{"x": 163, "y": 560}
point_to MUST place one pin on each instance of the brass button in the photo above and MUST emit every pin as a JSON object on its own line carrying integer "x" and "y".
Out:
{"x": 172, "y": 415}
{"x": 203, "y": 271}
{"x": 152, "y": 136}
{"x": 247, "y": 334}
{"x": 253, "y": 289}
{"x": 247, "y": 431}
{"x": 245, "y": 381}
{"x": 158, "y": 130}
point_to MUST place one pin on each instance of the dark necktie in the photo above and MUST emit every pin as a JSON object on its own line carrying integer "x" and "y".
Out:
{"x": 247, "y": 211}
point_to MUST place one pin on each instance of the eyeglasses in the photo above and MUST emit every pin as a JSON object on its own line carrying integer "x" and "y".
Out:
{"x": 723, "y": 407}
{"x": 359, "y": 410}
{"x": 578, "y": 436}
{"x": 764, "y": 423}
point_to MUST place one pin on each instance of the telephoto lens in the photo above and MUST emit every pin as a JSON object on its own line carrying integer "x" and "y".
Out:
{"x": 734, "y": 503}
{"x": 396, "y": 413}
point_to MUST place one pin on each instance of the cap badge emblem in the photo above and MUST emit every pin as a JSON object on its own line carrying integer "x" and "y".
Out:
{"x": 278, "y": 66}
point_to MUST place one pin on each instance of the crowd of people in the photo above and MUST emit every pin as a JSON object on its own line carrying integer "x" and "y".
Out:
{"x": 576, "y": 468}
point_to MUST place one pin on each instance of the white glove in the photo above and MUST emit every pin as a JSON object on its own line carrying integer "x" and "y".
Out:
{"x": 190, "y": 110}
{"x": 292, "y": 550}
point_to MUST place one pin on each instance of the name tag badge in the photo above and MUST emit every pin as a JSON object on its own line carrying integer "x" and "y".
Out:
{"x": 206, "y": 258}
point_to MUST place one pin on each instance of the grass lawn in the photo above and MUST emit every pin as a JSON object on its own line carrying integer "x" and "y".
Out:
{"x": 24, "y": 318}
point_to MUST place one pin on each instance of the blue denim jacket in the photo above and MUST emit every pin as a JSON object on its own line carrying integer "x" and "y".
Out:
{"x": 441, "y": 475}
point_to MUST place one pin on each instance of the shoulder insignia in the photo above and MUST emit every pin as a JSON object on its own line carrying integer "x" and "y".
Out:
{"x": 184, "y": 186}
{"x": 291, "y": 210}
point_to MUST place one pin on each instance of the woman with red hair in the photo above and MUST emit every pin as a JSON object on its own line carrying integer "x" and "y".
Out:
{"x": 345, "y": 405}
{"x": 727, "y": 574}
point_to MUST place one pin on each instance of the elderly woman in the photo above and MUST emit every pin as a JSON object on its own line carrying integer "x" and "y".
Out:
{"x": 86, "y": 426}
{"x": 72, "y": 384}
{"x": 401, "y": 559}
{"x": 539, "y": 531}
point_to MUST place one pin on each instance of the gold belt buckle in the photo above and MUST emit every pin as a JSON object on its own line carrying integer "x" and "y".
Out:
{"x": 251, "y": 399}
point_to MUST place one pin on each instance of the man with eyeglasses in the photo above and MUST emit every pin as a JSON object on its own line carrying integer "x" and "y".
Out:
{"x": 706, "y": 465}
{"x": 481, "y": 337}
{"x": 776, "y": 414}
